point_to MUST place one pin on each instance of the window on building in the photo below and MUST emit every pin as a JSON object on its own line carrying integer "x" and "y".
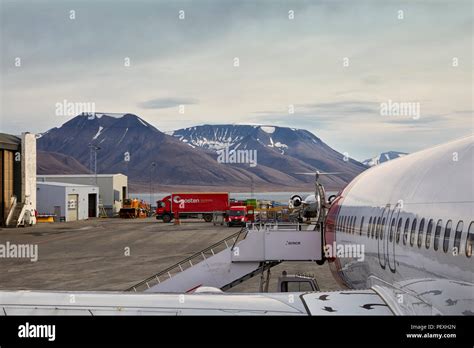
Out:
{"x": 420, "y": 233}
{"x": 428, "y": 234}
{"x": 447, "y": 234}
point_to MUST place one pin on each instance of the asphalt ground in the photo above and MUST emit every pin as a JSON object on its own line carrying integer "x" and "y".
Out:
{"x": 114, "y": 254}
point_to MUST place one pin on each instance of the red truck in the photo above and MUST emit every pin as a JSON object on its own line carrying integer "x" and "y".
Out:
{"x": 239, "y": 215}
{"x": 192, "y": 205}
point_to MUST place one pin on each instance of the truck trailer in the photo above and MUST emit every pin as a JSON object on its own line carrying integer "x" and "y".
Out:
{"x": 201, "y": 205}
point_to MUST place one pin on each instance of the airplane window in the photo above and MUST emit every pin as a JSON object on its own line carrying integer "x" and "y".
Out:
{"x": 447, "y": 233}
{"x": 377, "y": 229}
{"x": 361, "y": 225}
{"x": 343, "y": 224}
{"x": 457, "y": 236}
{"x": 470, "y": 239}
{"x": 420, "y": 233}
{"x": 412, "y": 233}
{"x": 350, "y": 226}
{"x": 405, "y": 231}
{"x": 392, "y": 225}
{"x": 354, "y": 225}
{"x": 381, "y": 229}
{"x": 374, "y": 225}
{"x": 437, "y": 234}
{"x": 371, "y": 227}
{"x": 399, "y": 227}
{"x": 368, "y": 227}
{"x": 428, "y": 234}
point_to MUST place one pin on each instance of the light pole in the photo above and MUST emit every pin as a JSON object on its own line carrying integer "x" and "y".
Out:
{"x": 152, "y": 167}
{"x": 93, "y": 160}
{"x": 251, "y": 187}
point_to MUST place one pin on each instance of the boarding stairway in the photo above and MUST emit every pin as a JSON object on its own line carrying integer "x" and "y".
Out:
{"x": 16, "y": 213}
{"x": 238, "y": 257}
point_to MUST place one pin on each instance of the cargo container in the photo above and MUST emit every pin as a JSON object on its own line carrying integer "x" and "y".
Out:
{"x": 201, "y": 205}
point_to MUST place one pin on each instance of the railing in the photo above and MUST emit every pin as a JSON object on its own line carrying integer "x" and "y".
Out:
{"x": 278, "y": 226}
{"x": 13, "y": 204}
{"x": 186, "y": 263}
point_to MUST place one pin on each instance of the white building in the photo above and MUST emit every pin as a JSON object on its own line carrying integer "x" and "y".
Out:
{"x": 70, "y": 202}
{"x": 113, "y": 187}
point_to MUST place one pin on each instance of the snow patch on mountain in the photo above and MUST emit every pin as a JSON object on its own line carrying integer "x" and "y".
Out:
{"x": 267, "y": 129}
{"x": 123, "y": 136}
{"x": 383, "y": 157}
{"x": 98, "y": 133}
{"x": 142, "y": 122}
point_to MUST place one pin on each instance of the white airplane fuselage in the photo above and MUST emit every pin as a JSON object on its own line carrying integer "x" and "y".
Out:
{"x": 413, "y": 216}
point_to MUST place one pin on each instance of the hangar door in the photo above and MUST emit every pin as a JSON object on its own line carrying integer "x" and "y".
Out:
{"x": 72, "y": 207}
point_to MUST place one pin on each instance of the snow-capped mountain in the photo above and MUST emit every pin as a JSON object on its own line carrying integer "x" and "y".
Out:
{"x": 383, "y": 157}
{"x": 289, "y": 150}
{"x": 129, "y": 145}
{"x": 188, "y": 157}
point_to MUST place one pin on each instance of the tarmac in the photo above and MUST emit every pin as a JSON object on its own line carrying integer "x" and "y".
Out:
{"x": 114, "y": 254}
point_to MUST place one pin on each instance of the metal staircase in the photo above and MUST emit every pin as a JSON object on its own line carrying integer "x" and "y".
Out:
{"x": 237, "y": 258}
{"x": 16, "y": 214}
{"x": 187, "y": 263}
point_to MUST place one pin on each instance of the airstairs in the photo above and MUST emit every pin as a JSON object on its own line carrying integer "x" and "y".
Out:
{"x": 251, "y": 251}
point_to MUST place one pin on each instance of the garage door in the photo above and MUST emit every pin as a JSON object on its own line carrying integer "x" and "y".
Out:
{"x": 72, "y": 207}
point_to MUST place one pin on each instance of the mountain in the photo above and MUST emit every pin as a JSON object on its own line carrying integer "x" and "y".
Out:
{"x": 288, "y": 150}
{"x": 129, "y": 145}
{"x": 383, "y": 157}
{"x": 187, "y": 159}
{"x": 53, "y": 163}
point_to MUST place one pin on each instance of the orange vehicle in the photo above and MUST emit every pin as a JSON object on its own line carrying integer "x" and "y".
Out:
{"x": 133, "y": 208}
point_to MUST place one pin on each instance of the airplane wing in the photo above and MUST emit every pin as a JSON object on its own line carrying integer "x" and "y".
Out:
{"x": 350, "y": 302}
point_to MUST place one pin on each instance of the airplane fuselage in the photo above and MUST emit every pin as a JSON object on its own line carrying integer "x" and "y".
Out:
{"x": 413, "y": 216}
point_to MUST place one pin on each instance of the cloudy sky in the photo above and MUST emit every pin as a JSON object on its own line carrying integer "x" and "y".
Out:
{"x": 331, "y": 62}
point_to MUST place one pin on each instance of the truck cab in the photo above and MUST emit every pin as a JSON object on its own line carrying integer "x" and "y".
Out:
{"x": 297, "y": 283}
{"x": 239, "y": 215}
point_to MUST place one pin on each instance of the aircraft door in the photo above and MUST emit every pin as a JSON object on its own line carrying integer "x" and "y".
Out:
{"x": 391, "y": 237}
{"x": 381, "y": 236}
